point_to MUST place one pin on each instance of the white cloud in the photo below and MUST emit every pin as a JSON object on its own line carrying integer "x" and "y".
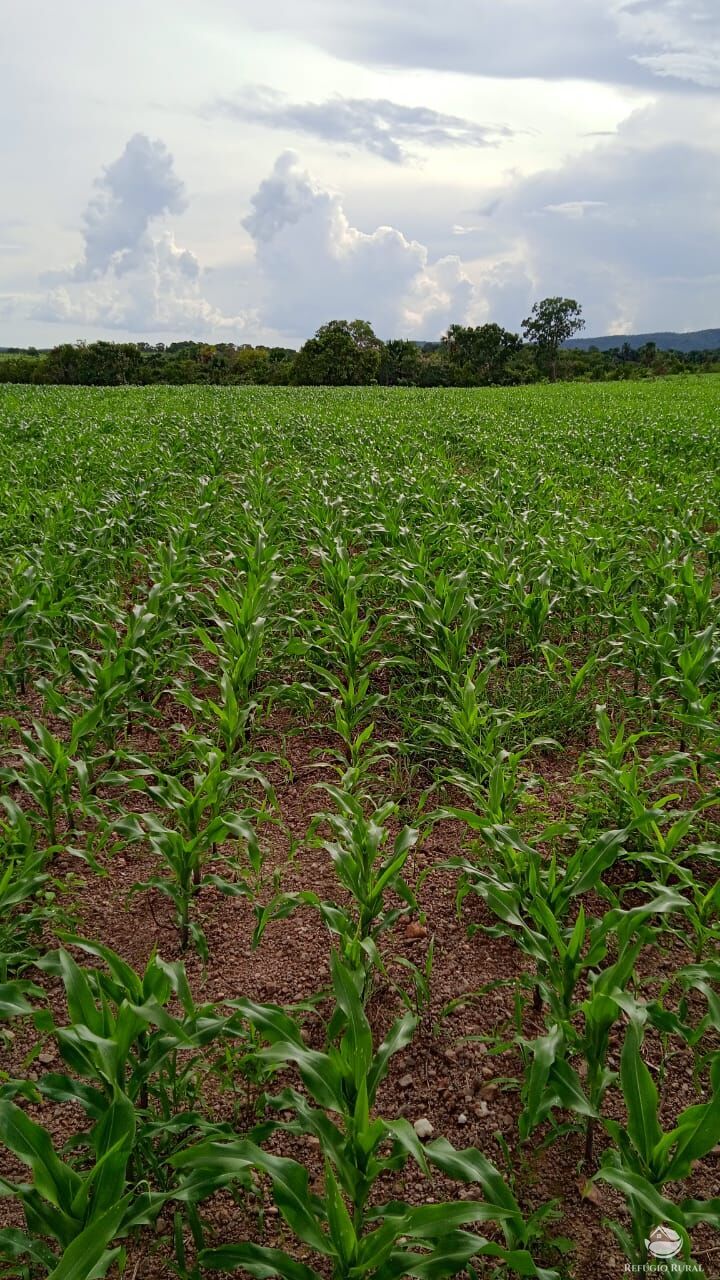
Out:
{"x": 160, "y": 293}
{"x": 138, "y": 187}
{"x": 701, "y": 68}
{"x": 642, "y": 247}
{"x": 584, "y": 198}
{"x": 316, "y": 266}
{"x": 575, "y": 208}
{"x": 678, "y": 39}
{"x": 129, "y": 279}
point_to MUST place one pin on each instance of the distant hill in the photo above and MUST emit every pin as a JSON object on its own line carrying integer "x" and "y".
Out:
{"x": 700, "y": 340}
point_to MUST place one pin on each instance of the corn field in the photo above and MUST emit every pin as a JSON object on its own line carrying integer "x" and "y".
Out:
{"x": 359, "y": 843}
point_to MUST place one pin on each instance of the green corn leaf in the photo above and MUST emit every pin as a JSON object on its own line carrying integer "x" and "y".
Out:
{"x": 545, "y": 1051}
{"x": 257, "y": 1260}
{"x": 641, "y": 1097}
{"x": 62, "y": 1088}
{"x": 13, "y": 998}
{"x": 57, "y": 1182}
{"x": 112, "y": 1140}
{"x": 16, "y": 1244}
{"x": 342, "y": 1232}
{"x": 640, "y": 1192}
{"x": 469, "y": 1165}
{"x": 585, "y": 868}
{"x": 696, "y": 1133}
{"x": 87, "y": 1251}
{"x": 565, "y": 1082}
{"x": 301, "y": 1210}
{"x": 358, "y": 1047}
{"x": 399, "y": 1035}
{"x": 81, "y": 1006}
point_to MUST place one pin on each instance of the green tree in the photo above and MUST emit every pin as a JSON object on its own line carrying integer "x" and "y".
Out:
{"x": 479, "y": 356}
{"x": 342, "y": 353}
{"x": 399, "y": 364}
{"x": 63, "y": 364}
{"x": 549, "y": 325}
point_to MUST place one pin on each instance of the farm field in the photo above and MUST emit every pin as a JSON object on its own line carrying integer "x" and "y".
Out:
{"x": 359, "y": 904}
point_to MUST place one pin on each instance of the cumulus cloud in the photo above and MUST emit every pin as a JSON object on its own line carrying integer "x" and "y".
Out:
{"x": 643, "y": 241}
{"x": 130, "y": 279}
{"x": 384, "y": 128}
{"x": 162, "y": 294}
{"x": 139, "y": 186}
{"x": 315, "y": 265}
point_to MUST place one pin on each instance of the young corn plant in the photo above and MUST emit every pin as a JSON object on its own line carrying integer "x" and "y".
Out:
{"x": 108, "y": 1039}
{"x": 349, "y": 1233}
{"x": 534, "y": 604}
{"x": 441, "y": 615}
{"x": 186, "y": 849}
{"x": 73, "y": 1211}
{"x": 582, "y": 1031}
{"x": 345, "y": 647}
{"x": 122, "y": 1040}
{"x": 36, "y": 611}
{"x": 366, "y": 868}
{"x": 27, "y": 899}
{"x": 515, "y": 877}
{"x": 54, "y": 778}
{"x": 536, "y": 912}
{"x": 234, "y": 638}
{"x": 645, "y": 1158}
{"x": 621, "y": 786}
{"x": 140, "y": 651}
{"x": 703, "y": 912}
{"x": 693, "y": 680}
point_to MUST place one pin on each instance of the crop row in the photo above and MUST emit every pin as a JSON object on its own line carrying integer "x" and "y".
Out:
{"x": 498, "y": 614}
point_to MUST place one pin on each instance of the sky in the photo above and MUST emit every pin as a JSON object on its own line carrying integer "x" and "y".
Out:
{"x": 243, "y": 172}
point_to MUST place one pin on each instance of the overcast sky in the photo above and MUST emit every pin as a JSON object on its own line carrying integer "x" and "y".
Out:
{"x": 243, "y": 172}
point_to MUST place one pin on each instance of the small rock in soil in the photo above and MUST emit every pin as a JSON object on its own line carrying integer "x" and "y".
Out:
{"x": 423, "y": 1128}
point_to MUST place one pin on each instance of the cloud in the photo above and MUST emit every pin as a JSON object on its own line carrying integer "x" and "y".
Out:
{"x": 678, "y": 40}
{"x": 643, "y": 242}
{"x": 620, "y": 41}
{"x": 575, "y": 208}
{"x": 384, "y": 128}
{"x": 703, "y": 69}
{"x": 129, "y": 279}
{"x": 314, "y": 265}
{"x": 138, "y": 187}
{"x": 162, "y": 294}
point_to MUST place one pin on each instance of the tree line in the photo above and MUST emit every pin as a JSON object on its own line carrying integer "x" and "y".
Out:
{"x": 349, "y": 353}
